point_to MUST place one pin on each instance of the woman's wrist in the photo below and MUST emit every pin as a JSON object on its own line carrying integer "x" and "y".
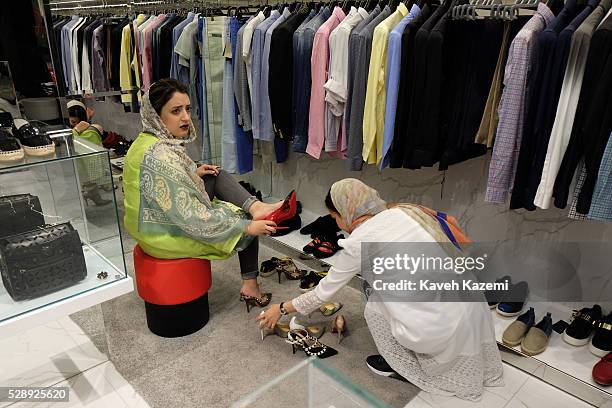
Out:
{"x": 247, "y": 227}
{"x": 288, "y": 306}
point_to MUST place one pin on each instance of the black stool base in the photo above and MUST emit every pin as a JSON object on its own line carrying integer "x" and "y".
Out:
{"x": 177, "y": 320}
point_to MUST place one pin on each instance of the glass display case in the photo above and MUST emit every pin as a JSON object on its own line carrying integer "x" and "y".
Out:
{"x": 60, "y": 240}
{"x": 313, "y": 383}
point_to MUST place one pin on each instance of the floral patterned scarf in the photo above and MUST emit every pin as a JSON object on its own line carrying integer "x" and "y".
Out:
{"x": 354, "y": 199}
{"x": 173, "y": 198}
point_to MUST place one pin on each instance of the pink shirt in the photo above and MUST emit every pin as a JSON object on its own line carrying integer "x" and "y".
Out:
{"x": 318, "y": 62}
{"x": 147, "y": 61}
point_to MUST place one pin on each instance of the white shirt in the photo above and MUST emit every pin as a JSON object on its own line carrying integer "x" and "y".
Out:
{"x": 247, "y": 37}
{"x": 423, "y": 327}
{"x": 85, "y": 69}
{"x": 75, "y": 80}
{"x": 336, "y": 86}
{"x": 564, "y": 118}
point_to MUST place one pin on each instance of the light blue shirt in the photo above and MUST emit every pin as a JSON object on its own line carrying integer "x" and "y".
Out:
{"x": 257, "y": 47}
{"x": 394, "y": 60}
{"x": 601, "y": 202}
{"x": 176, "y": 33}
{"x": 66, "y": 51}
{"x": 266, "y": 130}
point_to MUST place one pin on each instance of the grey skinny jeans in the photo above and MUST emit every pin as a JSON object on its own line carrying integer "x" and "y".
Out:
{"x": 225, "y": 188}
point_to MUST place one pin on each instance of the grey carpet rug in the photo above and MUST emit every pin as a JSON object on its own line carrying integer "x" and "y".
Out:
{"x": 227, "y": 360}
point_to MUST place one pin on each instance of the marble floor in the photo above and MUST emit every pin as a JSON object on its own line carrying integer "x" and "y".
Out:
{"x": 54, "y": 354}
{"x": 60, "y": 354}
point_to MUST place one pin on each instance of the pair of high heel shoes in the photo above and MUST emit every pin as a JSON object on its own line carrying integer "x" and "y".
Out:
{"x": 338, "y": 326}
{"x": 281, "y": 266}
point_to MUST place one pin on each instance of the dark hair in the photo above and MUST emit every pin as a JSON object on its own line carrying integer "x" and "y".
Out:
{"x": 329, "y": 203}
{"x": 163, "y": 90}
{"x": 78, "y": 112}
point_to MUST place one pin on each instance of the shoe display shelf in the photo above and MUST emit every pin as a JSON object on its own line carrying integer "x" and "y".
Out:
{"x": 561, "y": 365}
{"x": 565, "y": 366}
{"x": 296, "y": 241}
{"x": 73, "y": 186}
{"x": 62, "y": 139}
{"x": 311, "y": 383}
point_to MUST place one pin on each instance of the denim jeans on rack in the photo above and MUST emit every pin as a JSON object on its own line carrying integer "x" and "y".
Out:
{"x": 244, "y": 140}
{"x": 228, "y": 129}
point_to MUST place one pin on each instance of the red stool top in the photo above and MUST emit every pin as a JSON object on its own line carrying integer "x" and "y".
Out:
{"x": 170, "y": 281}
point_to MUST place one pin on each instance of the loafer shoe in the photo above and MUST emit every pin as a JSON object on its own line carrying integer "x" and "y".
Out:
{"x": 536, "y": 340}
{"x": 34, "y": 141}
{"x": 516, "y": 331}
{"x": 582, "y": 325}
{"x": 10, "y": 149}
{"x": 601, "y": 343}
{"x": 514, "y": 300}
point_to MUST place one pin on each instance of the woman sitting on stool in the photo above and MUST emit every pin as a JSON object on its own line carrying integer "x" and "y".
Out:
{"x": 175, "y": 209}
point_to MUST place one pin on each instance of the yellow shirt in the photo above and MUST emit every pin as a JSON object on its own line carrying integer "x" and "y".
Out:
{"x": 128, "y": 61}
{"x": 376, "y": 94}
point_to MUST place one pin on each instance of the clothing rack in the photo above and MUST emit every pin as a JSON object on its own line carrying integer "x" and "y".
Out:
{"x": 102, "y": 7}
{"x": 494, "y": 9}
{"x": 84, "y": 7}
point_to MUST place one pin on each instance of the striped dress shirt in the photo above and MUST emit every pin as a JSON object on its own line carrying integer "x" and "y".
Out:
{"x": 512, "y": 106}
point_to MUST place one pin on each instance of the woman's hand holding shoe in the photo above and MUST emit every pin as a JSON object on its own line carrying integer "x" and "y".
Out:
{"x": 261, "y": 227}
{"x": 269, "y": 317}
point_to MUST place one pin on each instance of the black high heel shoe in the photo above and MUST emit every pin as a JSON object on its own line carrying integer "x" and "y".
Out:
{"x": 93, "y": 193}
{"x": 301, "y": 340}
{"x": 252, "y": 301}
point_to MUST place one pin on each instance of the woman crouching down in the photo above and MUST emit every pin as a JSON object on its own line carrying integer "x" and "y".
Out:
{"x": 175, "y": 209}
{"x": 446, "y": 348}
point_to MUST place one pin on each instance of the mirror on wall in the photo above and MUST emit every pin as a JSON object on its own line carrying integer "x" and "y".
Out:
{"x": 8, "y": 96}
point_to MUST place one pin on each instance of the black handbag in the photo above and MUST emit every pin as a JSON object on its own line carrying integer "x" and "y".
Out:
{"x": 20, "y": 213}
{"x": 41, "y": 261}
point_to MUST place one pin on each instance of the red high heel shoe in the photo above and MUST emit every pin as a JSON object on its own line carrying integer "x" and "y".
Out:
{"x": 286, "y": 211}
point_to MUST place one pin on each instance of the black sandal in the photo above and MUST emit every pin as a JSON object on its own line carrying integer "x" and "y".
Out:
{"x": 326, "y": 249}
{"x": 310, "y": 247}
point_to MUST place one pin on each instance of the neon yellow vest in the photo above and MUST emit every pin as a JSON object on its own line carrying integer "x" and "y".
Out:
{"x": 89, "y": 134}
{"x": 163, "y": 246}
